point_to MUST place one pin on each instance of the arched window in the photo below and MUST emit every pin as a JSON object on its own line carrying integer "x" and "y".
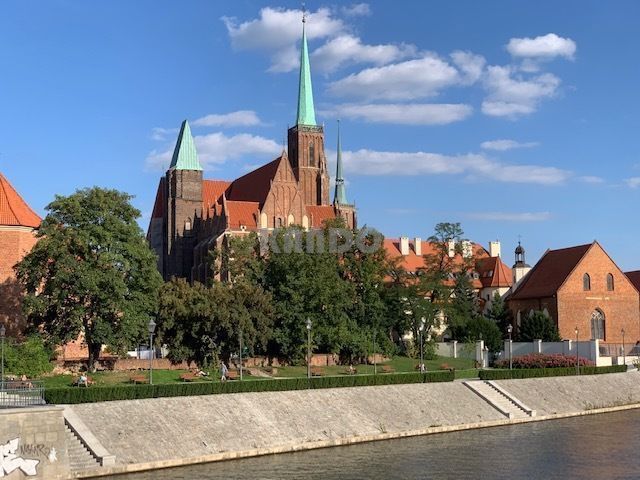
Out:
{"x": 586, "y": 282}
{"x": 519, "y": 318}
{"x": 598, "y": 330}
{"x": 545, "y": 312}
{"x": 610, "y": 285}
{"x": 312, "y": 154}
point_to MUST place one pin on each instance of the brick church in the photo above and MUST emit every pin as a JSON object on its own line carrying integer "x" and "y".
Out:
{"x": 192, "y": 215}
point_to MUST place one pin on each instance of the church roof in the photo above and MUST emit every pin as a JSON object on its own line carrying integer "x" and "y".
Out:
{"x": 340, "y": 195}
{"x": 255, "y": 185}
{"x": 185, "y": 156}
{"x": 242, "y": 214}
{"x": 158, "y": 206}
{"x": 548, "y": 275}
{"x": 212, "y": 191}
{"x": 306, "y": 112}
{"x": 634, "y": 277}
{"x": 14, "y": 211}
{"x": 494, "y": 273}
{"x": 320, "y": 213}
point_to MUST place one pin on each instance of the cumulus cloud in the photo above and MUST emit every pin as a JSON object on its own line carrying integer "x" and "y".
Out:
{"x": 633, "y": 182}
{"x": 240, "y": 118}
{"x": 423, "y": 77}
{"x": 217, "y": 148}
{"x": 472, "y": 166}
{"x": 545, "y": 46}
{"x": 591, "y": 179}
{"x": 161, "y": 134}
{"x": 348, "y": 49}
{"x": 357, "y": 10}
{"x": 510, "y": 216}
{"x": 402, "y": 114}
{"x": 512, "y": 95}
{"x": 470, "y": 64}
{"x": 504, "y": 145}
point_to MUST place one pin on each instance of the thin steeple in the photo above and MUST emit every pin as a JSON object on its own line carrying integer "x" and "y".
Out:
{"x": 185, "y": 156}
{"x": 306, "y": 112}
{"x": 340, "y": 196}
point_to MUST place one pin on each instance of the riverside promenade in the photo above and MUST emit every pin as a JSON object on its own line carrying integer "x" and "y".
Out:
{"x": 138, "y": 435}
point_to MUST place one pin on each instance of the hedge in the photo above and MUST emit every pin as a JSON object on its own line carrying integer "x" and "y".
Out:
{"x": 68, "y": 395}
{"x": 547, "y": 372}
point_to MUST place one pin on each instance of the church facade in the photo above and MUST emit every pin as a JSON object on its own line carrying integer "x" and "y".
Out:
{"x": 193, "y": 215}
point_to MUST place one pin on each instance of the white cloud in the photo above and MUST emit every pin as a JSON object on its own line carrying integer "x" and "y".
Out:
{"x": 470, "y": 64}
{"x": 357, "y": 10}
{"x": 277, "y": 31}
{"x": 347, "y": 49}
{"x": 242, "y": 118}
{"x": 633, "y": 182}
{"x": 217, "y": 148}
{"x": 423, "y": 77}
{"x": 511, "y": 216}
{"x": 503, "y": 145}
{"x": 512, "y": 95}
{"x": 473, "y": 166}
{"x": 591, "y": 179}
{"x": 402, "y": 114}
{"x": 545, "y": 46}
{"x": 161, "y": 134}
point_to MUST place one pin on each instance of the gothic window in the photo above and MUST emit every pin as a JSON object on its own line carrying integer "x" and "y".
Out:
{"x": 312, "y": 154}
{"x": 586, "y": 282}
{"x": 279, "y": 222}
{"x": 519, "y": 318}
{"x": 610, "y": 285}
{"x": 598, "y": 325}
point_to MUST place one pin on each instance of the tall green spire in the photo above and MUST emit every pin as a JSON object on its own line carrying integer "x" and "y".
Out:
{"x": 185, "y": 156}
{"x": 306, "y": 112}
{"x": 340, "y": 195}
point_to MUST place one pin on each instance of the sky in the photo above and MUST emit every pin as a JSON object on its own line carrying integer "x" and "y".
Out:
{"x": 517, "y": 119}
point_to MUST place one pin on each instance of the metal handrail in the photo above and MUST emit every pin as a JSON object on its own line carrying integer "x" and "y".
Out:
{"x": 21, "y": 393}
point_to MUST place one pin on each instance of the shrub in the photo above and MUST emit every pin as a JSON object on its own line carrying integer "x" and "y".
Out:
{"x": 31, "y": 357}
{"x": 538, "y": 327}
{"x": 131, "y": 392}
{"x": 547, "y": 372}
{"x": 541, "y": 360}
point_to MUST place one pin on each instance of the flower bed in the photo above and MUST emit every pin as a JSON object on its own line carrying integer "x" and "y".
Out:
{"x": 541, "y": 360}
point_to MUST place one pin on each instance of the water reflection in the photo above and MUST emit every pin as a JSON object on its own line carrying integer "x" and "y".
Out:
{"x": 591, "y": 447}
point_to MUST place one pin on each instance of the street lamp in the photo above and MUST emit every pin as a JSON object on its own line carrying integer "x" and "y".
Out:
{"x": 3, "y": 332}
{"x": 375, "y": 364}
{"x": 624, "y": 353}
{"x": 577, "y": 358}
{"x": 308, "y": 347}
{"x": 422, "y": 322}
{"x": 240, "y": 335}
{"x": 152, "y": 329}
{"x": 509, "y": 330}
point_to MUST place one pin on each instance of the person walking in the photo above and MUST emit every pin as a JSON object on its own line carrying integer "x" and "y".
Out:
{"x": 223, "y": 372}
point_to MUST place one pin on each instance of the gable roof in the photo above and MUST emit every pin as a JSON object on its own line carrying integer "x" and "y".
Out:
{"x": 14, "y": 211}
{"x": 255, "y": 185}
{"x": 159, "y": 205}
{"x": 242, "y": 214}
{"x": 212, "y": 191}
{"x": 319, "y": 213}
{"x": 634, "y": 278}
{"x": 548, "y": 275}
{"x": 494, "y": 272}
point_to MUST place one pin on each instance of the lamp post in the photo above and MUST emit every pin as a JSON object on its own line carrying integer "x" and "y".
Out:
{"x": 509, "y": 330}
{"x": 577, "y": 358}
{"x": 152, "y": 329}
{"x": 422, "y": 322}
{"x": 308, "y": 347}
{"x": 240, "y": 335}
{"x": 375, "y": 364}
{"x": 624, "y": 353}
{"x": 3, "y": 332}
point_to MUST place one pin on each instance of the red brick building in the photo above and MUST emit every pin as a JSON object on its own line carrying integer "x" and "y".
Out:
{"x": 18, "y": 225}
{"x": 580, "y": 287}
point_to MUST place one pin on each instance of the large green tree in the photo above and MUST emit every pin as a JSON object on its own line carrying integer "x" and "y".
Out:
{"x": 91, "y": 273}
{"x": 538, "y": 326}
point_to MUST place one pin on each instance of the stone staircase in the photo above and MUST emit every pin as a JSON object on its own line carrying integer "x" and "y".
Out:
{"x": 500, "y": 399}
{"x": 80, "y": 458}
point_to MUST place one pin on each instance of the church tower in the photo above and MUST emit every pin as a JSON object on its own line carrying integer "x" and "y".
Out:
{"x": 306, "y": 139}
{"x": 184, "y": 201}
{"x": 520, "y": 268}
{"x": 343, "y": 208}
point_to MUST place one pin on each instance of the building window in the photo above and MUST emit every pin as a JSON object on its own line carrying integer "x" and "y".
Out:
{"x": 610, "y": 285}
{"x": 312, "y": 154}
{"x": 598, "y": 325}
{"x": 519, "y": 318}
{"x": 586, "y": 282}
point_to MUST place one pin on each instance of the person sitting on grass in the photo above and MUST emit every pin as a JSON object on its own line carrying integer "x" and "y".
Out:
{"x": 83, "y": 380}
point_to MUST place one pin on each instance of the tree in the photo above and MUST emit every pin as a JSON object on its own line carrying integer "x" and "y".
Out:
{"x": 482, "y": 328}
{"x": 538, "y": 326}
{"x": 91, "y": 273}
{"x": 499, "y": 313}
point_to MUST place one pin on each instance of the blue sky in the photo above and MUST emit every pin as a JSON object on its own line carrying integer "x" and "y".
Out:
{"x": 514, "y": 118}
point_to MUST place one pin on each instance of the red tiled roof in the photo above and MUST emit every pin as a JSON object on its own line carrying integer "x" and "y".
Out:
{"x": 634, "y": 277}
{"x": 14, "y": 211}
{"x": 212, "y": 190}
{"x": 548, "y": 275}
{"x": 494, "y": 273}
{"x": 158, "y": 206}
{"x": 255, "y": 185}
{"x": 242, "y": 213}
{"x": 319, "y": 213}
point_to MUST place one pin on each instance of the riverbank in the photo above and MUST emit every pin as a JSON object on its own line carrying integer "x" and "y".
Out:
{"x": 166, "y": 432}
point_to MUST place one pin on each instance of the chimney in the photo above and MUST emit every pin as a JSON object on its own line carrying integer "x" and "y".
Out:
{"x": 467, "y": 249}
{"x": 452, "y": 248}
{"x": 404, "y": 245}
{"x": 417, "y": 246}
{"x": 494, "y": 249}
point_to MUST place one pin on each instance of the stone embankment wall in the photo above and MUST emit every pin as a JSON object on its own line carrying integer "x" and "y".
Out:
{"x": 156, "y": 433}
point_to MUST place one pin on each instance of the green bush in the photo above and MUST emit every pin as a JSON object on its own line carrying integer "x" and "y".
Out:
{"x": 547, "y": 372}
{"x": 30, "y": 357}
{"x": 68, "y": 395}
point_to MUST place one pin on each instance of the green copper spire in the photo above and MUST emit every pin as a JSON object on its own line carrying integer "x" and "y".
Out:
{"x": 306, "y": 112}
{"x": 185, "y": 156}
{"x": 340, "y": 195}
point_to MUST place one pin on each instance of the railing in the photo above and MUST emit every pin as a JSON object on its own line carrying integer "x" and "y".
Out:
{"x": 21, "y": 393}
{"x": 619, "y": 350}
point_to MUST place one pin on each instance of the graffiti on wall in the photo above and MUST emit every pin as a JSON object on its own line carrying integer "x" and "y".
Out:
{"x": 10, "y": 461}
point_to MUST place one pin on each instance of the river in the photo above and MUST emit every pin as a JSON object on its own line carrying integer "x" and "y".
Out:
{"x": 592, "y": 447}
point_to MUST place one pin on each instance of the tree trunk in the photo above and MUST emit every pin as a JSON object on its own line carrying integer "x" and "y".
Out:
{"x": 94, "y": 354}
